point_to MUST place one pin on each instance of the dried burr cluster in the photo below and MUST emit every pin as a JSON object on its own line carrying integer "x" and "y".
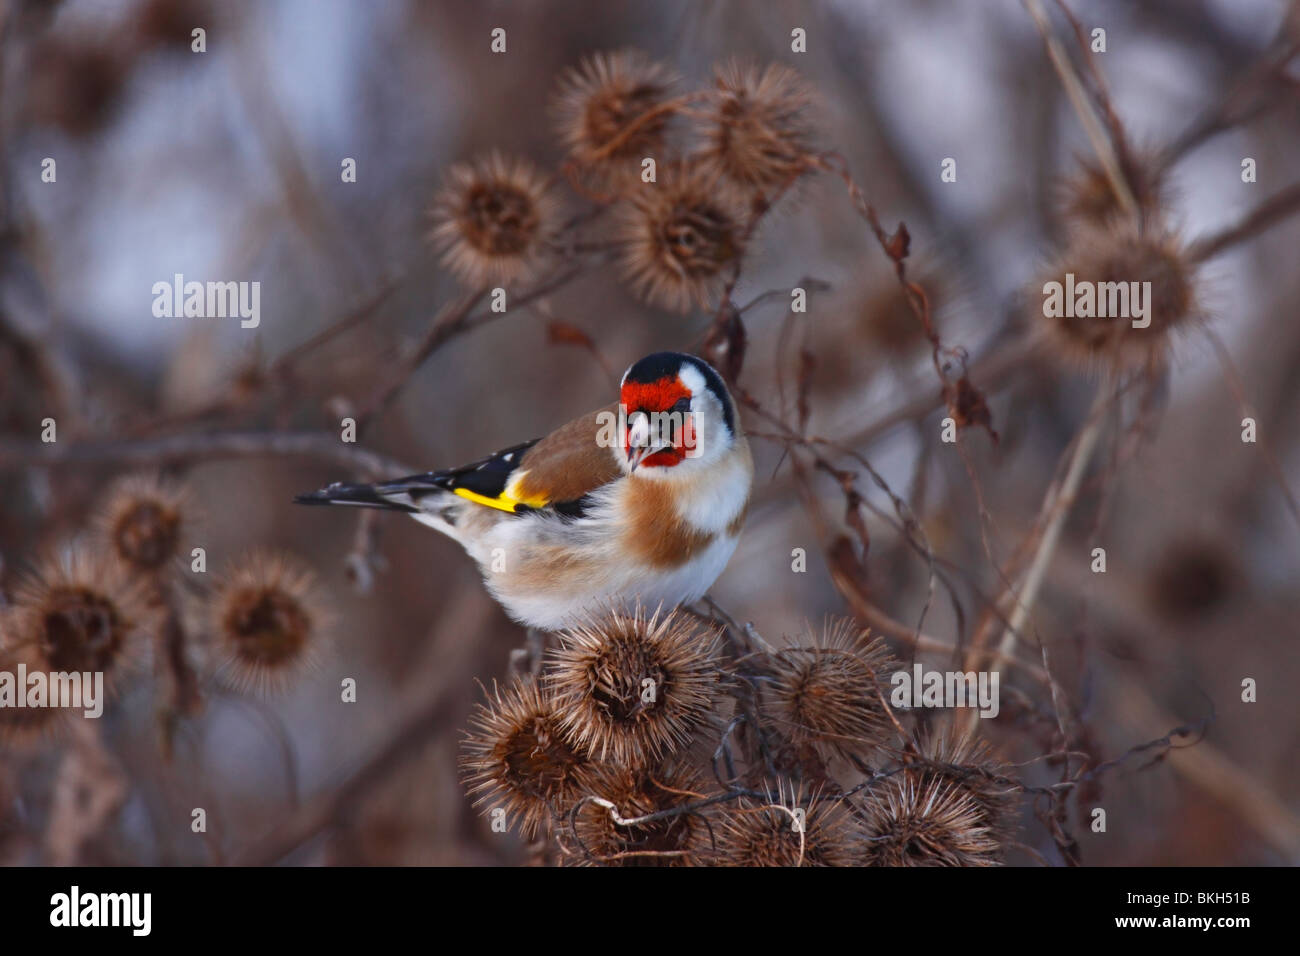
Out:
{"x": 1108, "y": 243}
{"x": 651, "y": 739}
{"x": 121, "y": 597}
{"x": 686, "y": 177}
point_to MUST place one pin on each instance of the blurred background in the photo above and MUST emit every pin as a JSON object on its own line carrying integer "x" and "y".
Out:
{"x": 226, "y": 165}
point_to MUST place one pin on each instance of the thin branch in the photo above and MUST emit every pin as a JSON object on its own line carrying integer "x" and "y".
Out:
{"x": 1056, "y": 507}
{"x": 451, "y": 320}
{"x": 1101, "y": 143}
{"x": 1263, "y": 217}
{"x": 455, "y": 319}
{"x": 1205, "y": 766}
{"x": 199, "y": 446}
{"x": 1249, "y": 97}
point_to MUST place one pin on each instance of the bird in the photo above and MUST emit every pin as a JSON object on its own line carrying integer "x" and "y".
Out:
{"x": 637, "y": 505}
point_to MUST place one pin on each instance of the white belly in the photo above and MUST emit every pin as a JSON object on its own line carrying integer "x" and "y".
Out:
{"x": 571, "y": 602}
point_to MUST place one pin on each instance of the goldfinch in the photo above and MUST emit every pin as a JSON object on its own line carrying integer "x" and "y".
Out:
{"x": 640, "y": 502}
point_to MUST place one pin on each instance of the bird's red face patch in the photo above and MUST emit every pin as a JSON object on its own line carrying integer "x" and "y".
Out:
{"x": 665, "y": 397}
{"x": 657, "y": 396}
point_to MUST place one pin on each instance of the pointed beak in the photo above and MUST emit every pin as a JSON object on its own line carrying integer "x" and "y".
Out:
{"x": 635, "y": 457}
{"x": 638, "y": 438}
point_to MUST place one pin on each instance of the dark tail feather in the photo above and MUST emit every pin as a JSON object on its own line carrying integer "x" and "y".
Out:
{"x": 365, "y": 496}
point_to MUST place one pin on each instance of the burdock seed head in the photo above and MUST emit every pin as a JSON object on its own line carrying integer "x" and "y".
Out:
{"x": 757, "y": 132}
{"x": 967, "y": 763}
{"x": 142, "y": 521}
{"x": 604, "y": 827}
{"x": 885, "y": 316}
{"x": 80, "y": 611}
{"x": 1088, "y": 199}
{"x": 515, "y": 757}
{"x": 786, "y": 830}
{"x": 613, "y": 111}
{"x": 828, "y": 690}
{"x": 682, "y": 237}
{"x": 631, "y": 688}
{"x": 267, "y": 621}
{"x": 493, "y": 219}
{"x": 25, "y": 727}
{"x": 949, "y": 808}
{"x": 912, "y": 820}
{"x": 1113, "y": 266}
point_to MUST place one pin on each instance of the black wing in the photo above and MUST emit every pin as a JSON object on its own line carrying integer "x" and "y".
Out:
{"x": 486, "y": 479}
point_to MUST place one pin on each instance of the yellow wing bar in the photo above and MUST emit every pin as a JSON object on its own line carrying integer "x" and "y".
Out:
{"x": 502, "y": 502}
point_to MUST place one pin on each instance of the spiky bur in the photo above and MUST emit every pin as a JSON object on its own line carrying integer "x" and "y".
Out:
{"x": 515, "y": 757}
{"x": 142, "y": 520}
{"x": 81, "y": 611}
{"x": 915, "y": 821}
{"x": 967, "y": 762}
{"x": 1087, "y": 198}
{"x": 603, "y": 828}
{"x": 887, "y": 320}
{"x": 682, "y": 237}
{"x": 949, "y": 808}
{"x": 25, "y": 726}
{"x": 828, "y": 690}
{"x": 631, "y": 688}
{"x": 757, "y": 131}
{"x": 1123, "y": 254}
{"x": 493, "y": 219}
{"x": 610, "y": 111}
{"x": 788, "y": 830}
{"x": 267, "y": 622}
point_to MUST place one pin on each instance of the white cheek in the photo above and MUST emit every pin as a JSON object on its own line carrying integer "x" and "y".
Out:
{"x": 716, "y": 495}
{"x": 693, "y": 380}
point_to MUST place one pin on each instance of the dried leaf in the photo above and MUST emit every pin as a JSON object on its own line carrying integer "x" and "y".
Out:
{"x": 967, "y": 406}
{"x": 847, "y": 571}
{"x": 562, "y": 333}
{"x": 899, "y": 245}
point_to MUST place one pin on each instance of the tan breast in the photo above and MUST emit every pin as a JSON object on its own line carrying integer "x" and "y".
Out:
{"x": 655, "y": 533}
